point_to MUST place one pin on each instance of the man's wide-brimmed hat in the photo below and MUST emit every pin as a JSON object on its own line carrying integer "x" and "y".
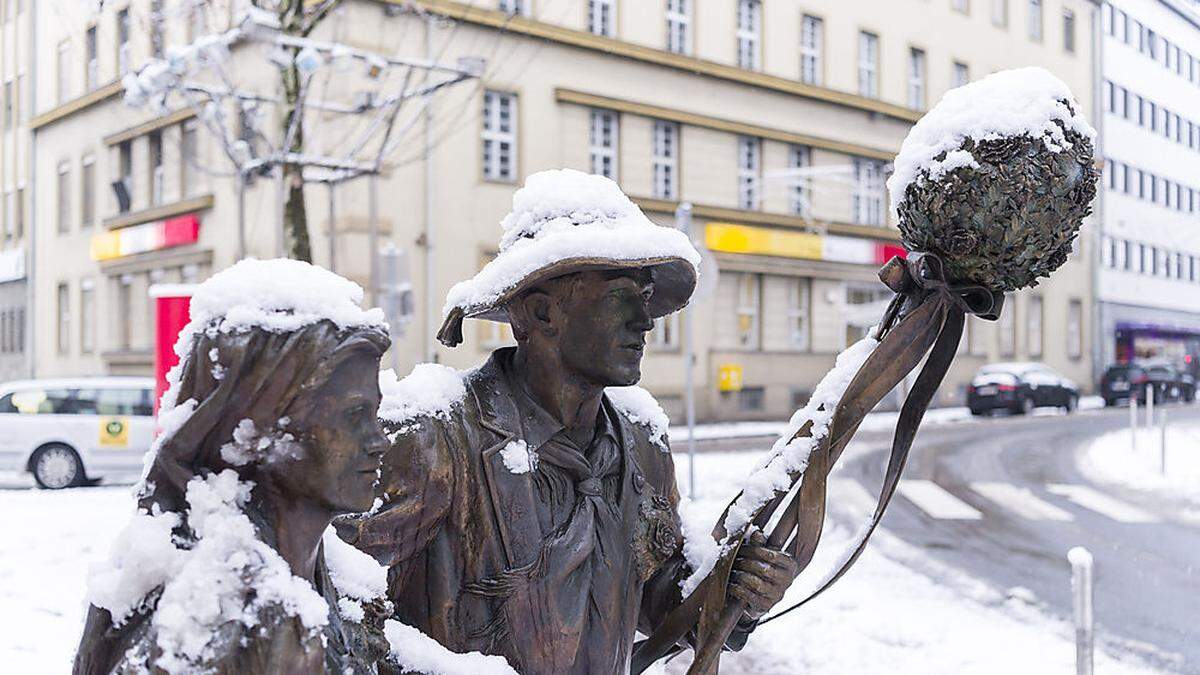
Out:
{"x": 565, "y": 221}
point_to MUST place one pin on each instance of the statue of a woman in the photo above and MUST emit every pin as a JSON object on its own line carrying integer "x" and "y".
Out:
{"x": 269, "y": 431}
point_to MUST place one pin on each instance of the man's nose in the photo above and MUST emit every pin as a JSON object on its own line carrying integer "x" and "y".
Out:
{"x": 641, "y": 320}
{"x": 377, "y": 444}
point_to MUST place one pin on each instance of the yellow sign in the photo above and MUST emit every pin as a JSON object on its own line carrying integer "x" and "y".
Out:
{"x": 729, "y": 377}
{"x": 729, "y": 238}
{"x": 114, "y": 432}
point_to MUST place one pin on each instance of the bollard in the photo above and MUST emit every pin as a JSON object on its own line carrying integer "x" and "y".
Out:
{"x": 1081, "y": 587}
{"x": 1133, "y": 406}
{"x": 1162, "y": 444}
{"x": 1149, "y": 406}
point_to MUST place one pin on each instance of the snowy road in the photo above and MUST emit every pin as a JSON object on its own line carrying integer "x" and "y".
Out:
{"x": 1003, "y": 501}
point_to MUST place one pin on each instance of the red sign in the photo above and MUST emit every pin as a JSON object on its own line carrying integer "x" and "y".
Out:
{"x": 172, "y": 309}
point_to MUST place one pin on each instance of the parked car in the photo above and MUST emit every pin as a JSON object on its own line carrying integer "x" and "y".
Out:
{"x": 1019, "y": 388}
{"x": 70, "y": 432}
{"x": 1124, "y": 381}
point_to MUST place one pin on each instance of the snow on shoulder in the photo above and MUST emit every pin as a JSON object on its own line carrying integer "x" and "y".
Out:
{"x": 430, "y": 390}
{"x": 1019, "y": 102}
{"x": 561, "y": 215}
{"x": 641, "y": 408}
{"x": 416, "y": 652}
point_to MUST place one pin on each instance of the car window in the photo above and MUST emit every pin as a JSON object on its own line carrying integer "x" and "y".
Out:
{"x": 6, "y": 404}
{"x": 125, "y": 402}
{"x": 42, "y": 401}
{"x": 80, "y": 402}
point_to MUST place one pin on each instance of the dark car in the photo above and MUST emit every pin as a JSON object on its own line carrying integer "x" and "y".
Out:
{"x": 1124, "y": 381}
{"x": 1019, "y": 388}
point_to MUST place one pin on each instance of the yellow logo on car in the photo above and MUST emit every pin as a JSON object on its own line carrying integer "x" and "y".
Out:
{"x": 114, "y": 432}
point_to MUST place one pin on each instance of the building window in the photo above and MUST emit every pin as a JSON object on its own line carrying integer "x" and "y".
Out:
{"x": 124, "y": 314}
{"x": 64, "y": 318}
{"x": 749, "y": 33}
{"x": 8, "y": 105}
{"x": 1008, "y": 334}
{"x": 154, "y": 141}
{"x": 963, "y": 6}
{"x": 87, "y": 316}
{"x": 22, "y": 102}
{"x": 812, "y": 37}
{"x": 19, "y": 225}
{"x": 125, "y": 173}
{"x": 499, "y": 135}
{"x": 749, "y": 290}
{"x": 749, "y": 167}
{"x": 962, "y": 74}
{"x": 124, "y": 49}
{"x": 751, "y": 399}
{"x": 1033, "y": 326}
{"x": 867, "y": 199}
{"x": 1068, "y": 31}
{"x": 1035, "y": 20}
{"x": 64, "y": 198}
{"x": 799, "y": 200}
{"x": 679, "y": 18}
{"x": 92, "y": 64}
{"x": 868, "y": 64}
{"x": 87, "y": 189}
{"x": 600, "y": 17}
{"x": 1000, "y": 13}
{"x": 188, "y": 157}
{"x": 1075, "y": 329}
{"x": 916, "y": 78}
{"x": 64, "y": 71}
{"x": 665, "y": 335}
{"x": 666, "y": 159}
{"x": 799, "y": 294}
{"x": 602, "y": 143}
{"x": 157, "y": 24}
{"x": 515, "y": 7}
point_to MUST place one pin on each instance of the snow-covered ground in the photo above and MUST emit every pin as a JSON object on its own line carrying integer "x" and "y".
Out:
{"x": 898, "y": 608}
{"x": 1115, "y": 459}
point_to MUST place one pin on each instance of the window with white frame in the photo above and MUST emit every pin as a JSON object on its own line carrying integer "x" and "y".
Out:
{"x": 665, "y": 334}
{"x": 189, "y": 157}
{"x": 154, "y": 141}
{"x": 499, "y": 135}
{"x": 812, "y": 37}
{"x": 124, "y": 48}
{"x": 679, "y": 20}
{"x": 87, "y": 316}
{"x": 867, "y": 198}
{"x": 1035, "y": 20}
{"x": 64, "y": 71}
{"x": 64, "y": 318}
{"x": 92, "y": 65}
{"x": 64, "y": 197}
{"x": 749, "y": 170}
{"x": 601, "y": 17}
{"x": 749, "y": 33}
{"x": 799, "y": 297}
{"x": 961, "y": 74}
{"x": 197, "y": 20}
{"x": 125, "y": 174}
{"x": 515, "y": 7}
{"x": 666, "y": 159}
{"x": 1068, "y": 31}
{"x": 9, "y": 102}
{"x": 1000, "y": 13}
{"x": 602, "y": 143}
{"x": 1075, "y": 329}
{"x": 916, "y": 78}
{"x": 799, "y": 194}
{"x": 87, "y": 198}
{"x": 1033, "y": 326}
{"x": 868, "y": 64}
{"x": 749, "y": 290}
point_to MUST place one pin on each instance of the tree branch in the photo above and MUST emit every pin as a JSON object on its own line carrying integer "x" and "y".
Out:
{"x": 314, "y": 16}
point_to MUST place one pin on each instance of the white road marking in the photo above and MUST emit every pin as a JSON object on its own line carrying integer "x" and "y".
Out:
{"x": 1102, "y": 504}
{"x": 1020, "y": 500}
{"x": 936, "y": 502}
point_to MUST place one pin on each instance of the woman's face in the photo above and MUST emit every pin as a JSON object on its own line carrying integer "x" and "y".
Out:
{"x": 343, "y": 441}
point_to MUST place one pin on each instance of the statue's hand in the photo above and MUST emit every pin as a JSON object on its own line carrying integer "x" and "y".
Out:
{"x": 760, "y": 575}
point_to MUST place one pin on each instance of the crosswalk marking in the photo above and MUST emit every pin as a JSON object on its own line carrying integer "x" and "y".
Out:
{"x": 936, "y": 502}
{"x": 1102, "y": 504}
{"x": 1021, "y": 500}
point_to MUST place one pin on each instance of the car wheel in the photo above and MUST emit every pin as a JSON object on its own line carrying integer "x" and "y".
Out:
{"x": 1027, "y": 406}
{"x": 1109, "y": 402}
{"x": 56, "y": 467}
{"x": 1072, "y": 403}
{"x": 975, "y": 412}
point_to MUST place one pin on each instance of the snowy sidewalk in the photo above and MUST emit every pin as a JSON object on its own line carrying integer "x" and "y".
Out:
{"x": 1116, "y": 459}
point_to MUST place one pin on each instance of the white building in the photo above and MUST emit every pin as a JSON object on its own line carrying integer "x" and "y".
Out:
{"x": 1148, "y": 283}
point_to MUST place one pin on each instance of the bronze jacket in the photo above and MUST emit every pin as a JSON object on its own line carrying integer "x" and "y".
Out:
{"x": 456, "y": 518}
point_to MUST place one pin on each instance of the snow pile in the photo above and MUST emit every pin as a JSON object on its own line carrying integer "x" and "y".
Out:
{"x": 787, "y": 457}
{"x": 1112, "y": 459}
{"x": 355, "y": 575}
{"x": 430, "y": 390}
{"x": 418, "y": 653}
{"x": 1018, "y": 102}
{"x": 641, "y": 408}
{"x": 562, "y": 215}
{"x": 518, "y": 457}
{"x": 227, "y": 575}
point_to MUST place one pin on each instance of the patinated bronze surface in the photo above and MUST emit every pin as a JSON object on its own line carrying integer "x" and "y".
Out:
{"x": 323, "y": 381}
{"x": 555, "y": 568}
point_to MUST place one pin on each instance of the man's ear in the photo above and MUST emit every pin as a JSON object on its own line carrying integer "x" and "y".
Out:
{"x": 538, "y": 310}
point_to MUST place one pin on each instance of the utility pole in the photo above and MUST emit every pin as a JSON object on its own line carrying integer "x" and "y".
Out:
{"x": 683, "y": 221}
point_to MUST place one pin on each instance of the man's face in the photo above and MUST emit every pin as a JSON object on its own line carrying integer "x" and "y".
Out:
{"x": 604, "y": 326}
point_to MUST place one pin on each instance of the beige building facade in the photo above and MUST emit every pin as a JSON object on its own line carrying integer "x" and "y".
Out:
{"x": 775, "y": 120}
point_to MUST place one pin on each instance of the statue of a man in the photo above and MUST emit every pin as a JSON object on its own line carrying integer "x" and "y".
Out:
{"x": 536, "y": 518}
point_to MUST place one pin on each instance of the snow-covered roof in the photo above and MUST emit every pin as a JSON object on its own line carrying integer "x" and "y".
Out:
{"x": 1019, "y": 102}
{"x": 562, "y": 215}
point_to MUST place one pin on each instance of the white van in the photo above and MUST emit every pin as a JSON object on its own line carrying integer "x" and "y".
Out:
{"x": 72, "y": 431}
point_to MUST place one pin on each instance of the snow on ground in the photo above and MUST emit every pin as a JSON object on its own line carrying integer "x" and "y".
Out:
{"x": 1114, "y": 460}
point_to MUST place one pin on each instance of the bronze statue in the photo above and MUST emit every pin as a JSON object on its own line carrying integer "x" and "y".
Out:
{"x": 556, "y": 559}
{"x": 287, "y": 418}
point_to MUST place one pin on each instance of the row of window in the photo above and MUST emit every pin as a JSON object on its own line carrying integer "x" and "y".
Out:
{"x": 1034, "y": 314}
{"x": 12, "y": 330}
{"x": 16, "y": 104}
{"x": 1134, "y": 33}
{"x": 1149, "y": 115}
{"x": 14, "y": 214}
{"x": 1154, "y": 189}
{"x": 1150, "y": 260}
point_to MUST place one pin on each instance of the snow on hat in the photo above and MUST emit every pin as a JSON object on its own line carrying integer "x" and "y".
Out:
{"x": 566, "y": 221}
